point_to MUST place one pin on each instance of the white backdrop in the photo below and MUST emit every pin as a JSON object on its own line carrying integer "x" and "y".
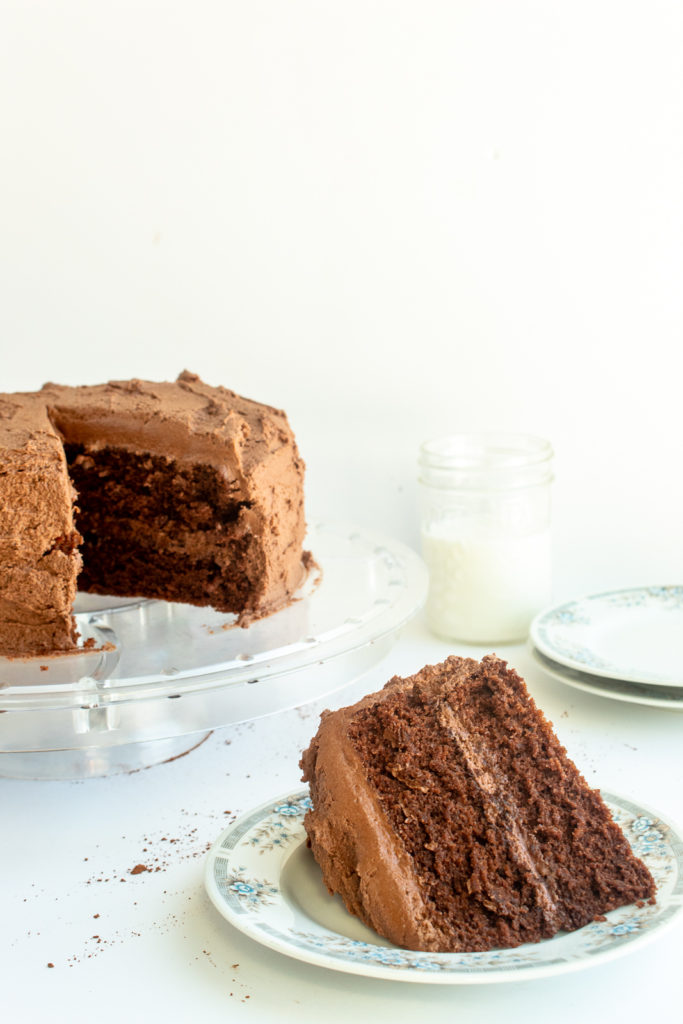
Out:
{"x": 405, "y": 218}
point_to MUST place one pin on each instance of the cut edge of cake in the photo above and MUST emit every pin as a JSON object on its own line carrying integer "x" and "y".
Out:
{"x": 502, "y": 881}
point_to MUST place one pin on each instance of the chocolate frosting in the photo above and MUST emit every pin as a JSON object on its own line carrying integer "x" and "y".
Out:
{"x": 39, "y": 560}
{"x": 360, "y": 856}
{"x": 184, "y": 420}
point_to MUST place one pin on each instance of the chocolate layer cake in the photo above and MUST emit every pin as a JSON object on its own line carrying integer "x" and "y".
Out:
{"x": 184, "y": 492}
{"x": 449, "y": 818}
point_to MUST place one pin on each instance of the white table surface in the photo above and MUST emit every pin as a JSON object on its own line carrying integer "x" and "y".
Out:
{"x": 151, "y": 946}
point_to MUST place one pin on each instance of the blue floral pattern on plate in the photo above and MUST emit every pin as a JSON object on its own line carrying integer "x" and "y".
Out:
{"x": 633, "y": 635}
{"x": 247, "y": 880}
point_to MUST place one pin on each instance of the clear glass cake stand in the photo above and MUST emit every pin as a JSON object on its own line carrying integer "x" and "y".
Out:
{"x": 160, "y": 676}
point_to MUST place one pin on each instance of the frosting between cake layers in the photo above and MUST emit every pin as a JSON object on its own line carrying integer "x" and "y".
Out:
{"x": 500, "y": 809}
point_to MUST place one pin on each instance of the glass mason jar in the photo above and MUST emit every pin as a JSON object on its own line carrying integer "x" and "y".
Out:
{"x": 485, "y": 525}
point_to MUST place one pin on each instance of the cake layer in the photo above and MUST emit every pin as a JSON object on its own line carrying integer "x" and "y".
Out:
{"x": 141, "y": 517}
{"x": 449, "y": 817}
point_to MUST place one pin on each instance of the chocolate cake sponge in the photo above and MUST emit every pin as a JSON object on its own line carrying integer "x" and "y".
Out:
{"x": 449, "y": 818}
{"x": 183, "y": 492}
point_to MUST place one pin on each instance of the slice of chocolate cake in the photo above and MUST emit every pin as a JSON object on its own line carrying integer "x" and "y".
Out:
{"x": 184, "y": 492}
{"x": 449, "y": 817}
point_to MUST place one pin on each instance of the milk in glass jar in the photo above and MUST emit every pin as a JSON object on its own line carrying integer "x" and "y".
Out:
{"x": 485, "y": 524}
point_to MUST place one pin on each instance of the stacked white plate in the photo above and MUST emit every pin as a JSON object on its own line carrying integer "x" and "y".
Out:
{"x": 626, "y": 644}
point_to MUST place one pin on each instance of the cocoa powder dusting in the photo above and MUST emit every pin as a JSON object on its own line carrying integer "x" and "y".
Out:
{"x": 163, "y": 852}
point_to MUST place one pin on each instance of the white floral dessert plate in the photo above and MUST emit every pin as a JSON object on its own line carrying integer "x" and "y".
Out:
{"x": 633, "y": 635}
{"x": 262, "y": 878}
{"x": 669, "y": 697}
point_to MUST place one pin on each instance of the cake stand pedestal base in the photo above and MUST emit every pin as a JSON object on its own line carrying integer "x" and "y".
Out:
{"x": 94, "y": 762}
